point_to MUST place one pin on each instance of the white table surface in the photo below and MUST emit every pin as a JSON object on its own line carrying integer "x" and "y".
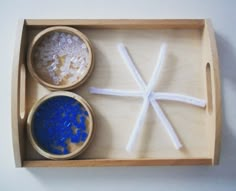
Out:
{"x": 222, "y": 177}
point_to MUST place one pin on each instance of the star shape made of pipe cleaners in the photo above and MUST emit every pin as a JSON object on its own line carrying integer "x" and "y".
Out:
{"x": 149, "y": 96}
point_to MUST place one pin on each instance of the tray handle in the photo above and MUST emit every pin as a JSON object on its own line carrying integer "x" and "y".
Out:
{"x": 209, "y": 88}
{"x": 18, "y": 95}
{"x": 213, "y": 90}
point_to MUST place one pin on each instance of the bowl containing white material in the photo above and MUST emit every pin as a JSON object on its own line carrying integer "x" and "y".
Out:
{"x": 60, "y": 58}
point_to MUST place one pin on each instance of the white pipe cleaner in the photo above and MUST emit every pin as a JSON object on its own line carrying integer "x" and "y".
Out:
{"x": 149, "y": 96}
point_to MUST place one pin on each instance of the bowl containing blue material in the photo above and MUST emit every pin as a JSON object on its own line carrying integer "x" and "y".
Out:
{"x": 60, "y": 125}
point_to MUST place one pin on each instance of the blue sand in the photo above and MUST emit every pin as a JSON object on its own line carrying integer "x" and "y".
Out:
{"x": 59, "y": 121}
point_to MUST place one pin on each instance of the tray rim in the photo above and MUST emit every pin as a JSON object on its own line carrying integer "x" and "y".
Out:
{"x": 18, "y": 145}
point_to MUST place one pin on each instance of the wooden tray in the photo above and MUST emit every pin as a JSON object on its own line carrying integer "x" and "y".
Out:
{"x": 192, "y": 68}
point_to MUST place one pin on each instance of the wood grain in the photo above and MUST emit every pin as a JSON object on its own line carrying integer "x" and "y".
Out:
{"x": 120, "y": 162}
{"x": 121, "y": 23}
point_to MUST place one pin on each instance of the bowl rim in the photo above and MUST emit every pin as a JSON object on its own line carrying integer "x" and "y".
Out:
{"x": 65, "y": 29}
{"x": 75, "y": 152}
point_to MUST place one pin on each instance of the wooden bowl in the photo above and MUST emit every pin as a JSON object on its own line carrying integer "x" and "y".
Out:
{"x": 46, "y": 81}
{"x": 60, "y": 125}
